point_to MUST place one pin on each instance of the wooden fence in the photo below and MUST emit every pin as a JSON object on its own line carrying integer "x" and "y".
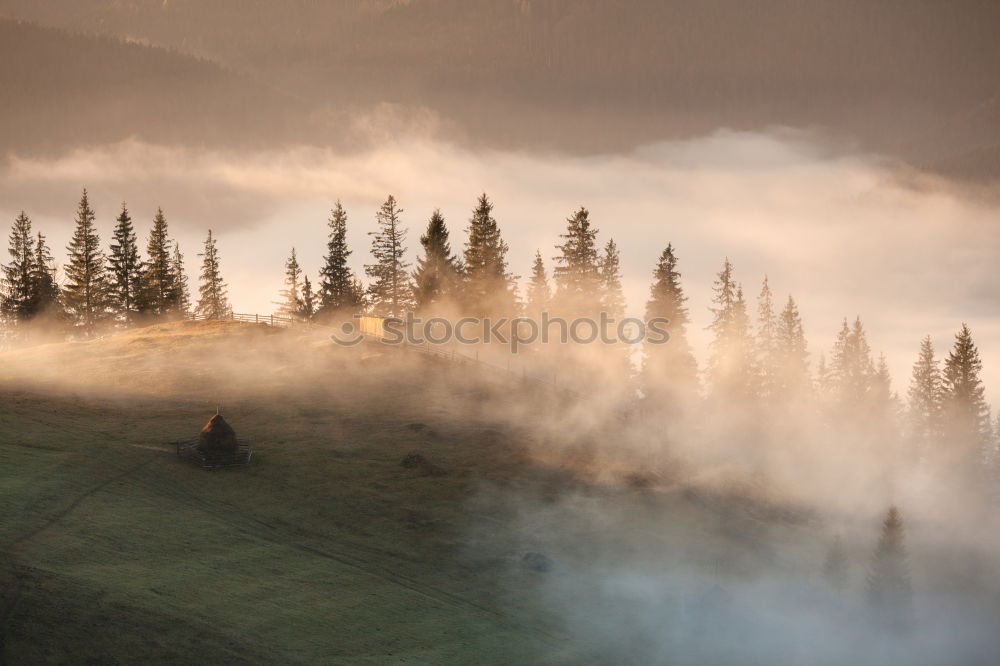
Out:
{"x": 188, "y": 450}
{"x": 267, "y": 320}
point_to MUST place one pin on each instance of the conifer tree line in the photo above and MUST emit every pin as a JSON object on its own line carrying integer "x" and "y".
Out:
{"x": 101, "y": 289}
{"x": 758, "y": 360}
{"x": 758, "y": 355}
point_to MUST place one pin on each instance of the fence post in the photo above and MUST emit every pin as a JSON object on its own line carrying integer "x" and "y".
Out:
{"x": 256, "y": 319}
{"x": 272, "y": 321}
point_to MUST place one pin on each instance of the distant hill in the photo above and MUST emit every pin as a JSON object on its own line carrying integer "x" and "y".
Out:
{"x": 591, "y": 75}
{"x": 63, "y": 89}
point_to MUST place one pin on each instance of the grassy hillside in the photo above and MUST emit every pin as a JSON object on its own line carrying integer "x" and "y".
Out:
{"x": 326, "y": 548}
{"x": 69, "y": 90}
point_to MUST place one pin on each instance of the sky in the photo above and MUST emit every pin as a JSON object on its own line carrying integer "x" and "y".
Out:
{"x": 846, "y": 234}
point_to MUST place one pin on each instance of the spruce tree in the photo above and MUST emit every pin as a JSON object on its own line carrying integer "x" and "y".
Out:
{"x": 44, "y": 285}
{"x": 966, "y": 414}
{"x": 539, "y": 292}
{"x": 852, "y": 369}
{"x": 126, "y": 269}
{"x": 666, "y": 296}
{"x": 731, "y": 361}
{"x": 889, "y": 592}
{"x": 87, "y": 286}
{"x": 669, "y": 369}
{"x": 577, "y": 273}
{"x": 924, "y": 401}
{"x": 490, "y": 289}
{"x": 612, "y": 295}
{"x": 213, "y": 302}
{"x": 824, "y": 378}
{"x": 18, "y": 301}
{"x": 390, "y": 290}
{"x": 766, "y": 342}
{"x": 158, "y": 286}
{"x": 617, "y": 363}
{"x": 158, "y": 289}
{"x": 359, "y": 296}
{"x": 338, "y": 291}
{"x": 290, "y": 304}
{"x": 437, "y": 276}
{"x": 181, "y": 294}
{"x": 791, "y": 360}
{"x": 308, "y": 309}
{"x": 881, "y": 399}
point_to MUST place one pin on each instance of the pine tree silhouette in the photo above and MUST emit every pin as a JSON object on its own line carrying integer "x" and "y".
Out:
{"x": 669, "y": 371}
{"x": 790, "y": 374}
{"x": 925, "y": 396}
{"x": 490, "y": 289}
{"x": 390, "y": 291}
{"x": 881, "y": 399}
{"x": 731, "y": 360}
{"x": 539, "y": 292}
{"x": 766, "y": 344}
{"x": 577, "y": 273}
{"x": 852, "y": 370}
{"x": 308, "y": 310}
{"x": 44, "y": 285}
{"x": 214, "y": 302}
{"x": 18, "y": 300}
{"x": 611, "y": 294}
{"x": 966, "y": 414}
{"x": 159, "y": 291}
{"x": 338, "y": 291}
{"x": 181, "y": 294}
{"x": 126, "y": 269}
{"x": 438, "y": 274}
{"x": 290, "y": 304}
{"x": 87, "y": 287}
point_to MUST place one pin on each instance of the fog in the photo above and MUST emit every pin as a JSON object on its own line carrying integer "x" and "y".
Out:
{"x": 669, "y": 537}
{"x": 848, "y": 234}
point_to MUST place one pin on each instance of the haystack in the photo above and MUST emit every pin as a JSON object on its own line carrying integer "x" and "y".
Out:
{"x": 217, "y": 437}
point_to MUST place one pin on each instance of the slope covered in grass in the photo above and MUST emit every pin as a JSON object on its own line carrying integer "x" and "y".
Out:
{"x": 324, "y": 547}
{"x": 384, "y": 518}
